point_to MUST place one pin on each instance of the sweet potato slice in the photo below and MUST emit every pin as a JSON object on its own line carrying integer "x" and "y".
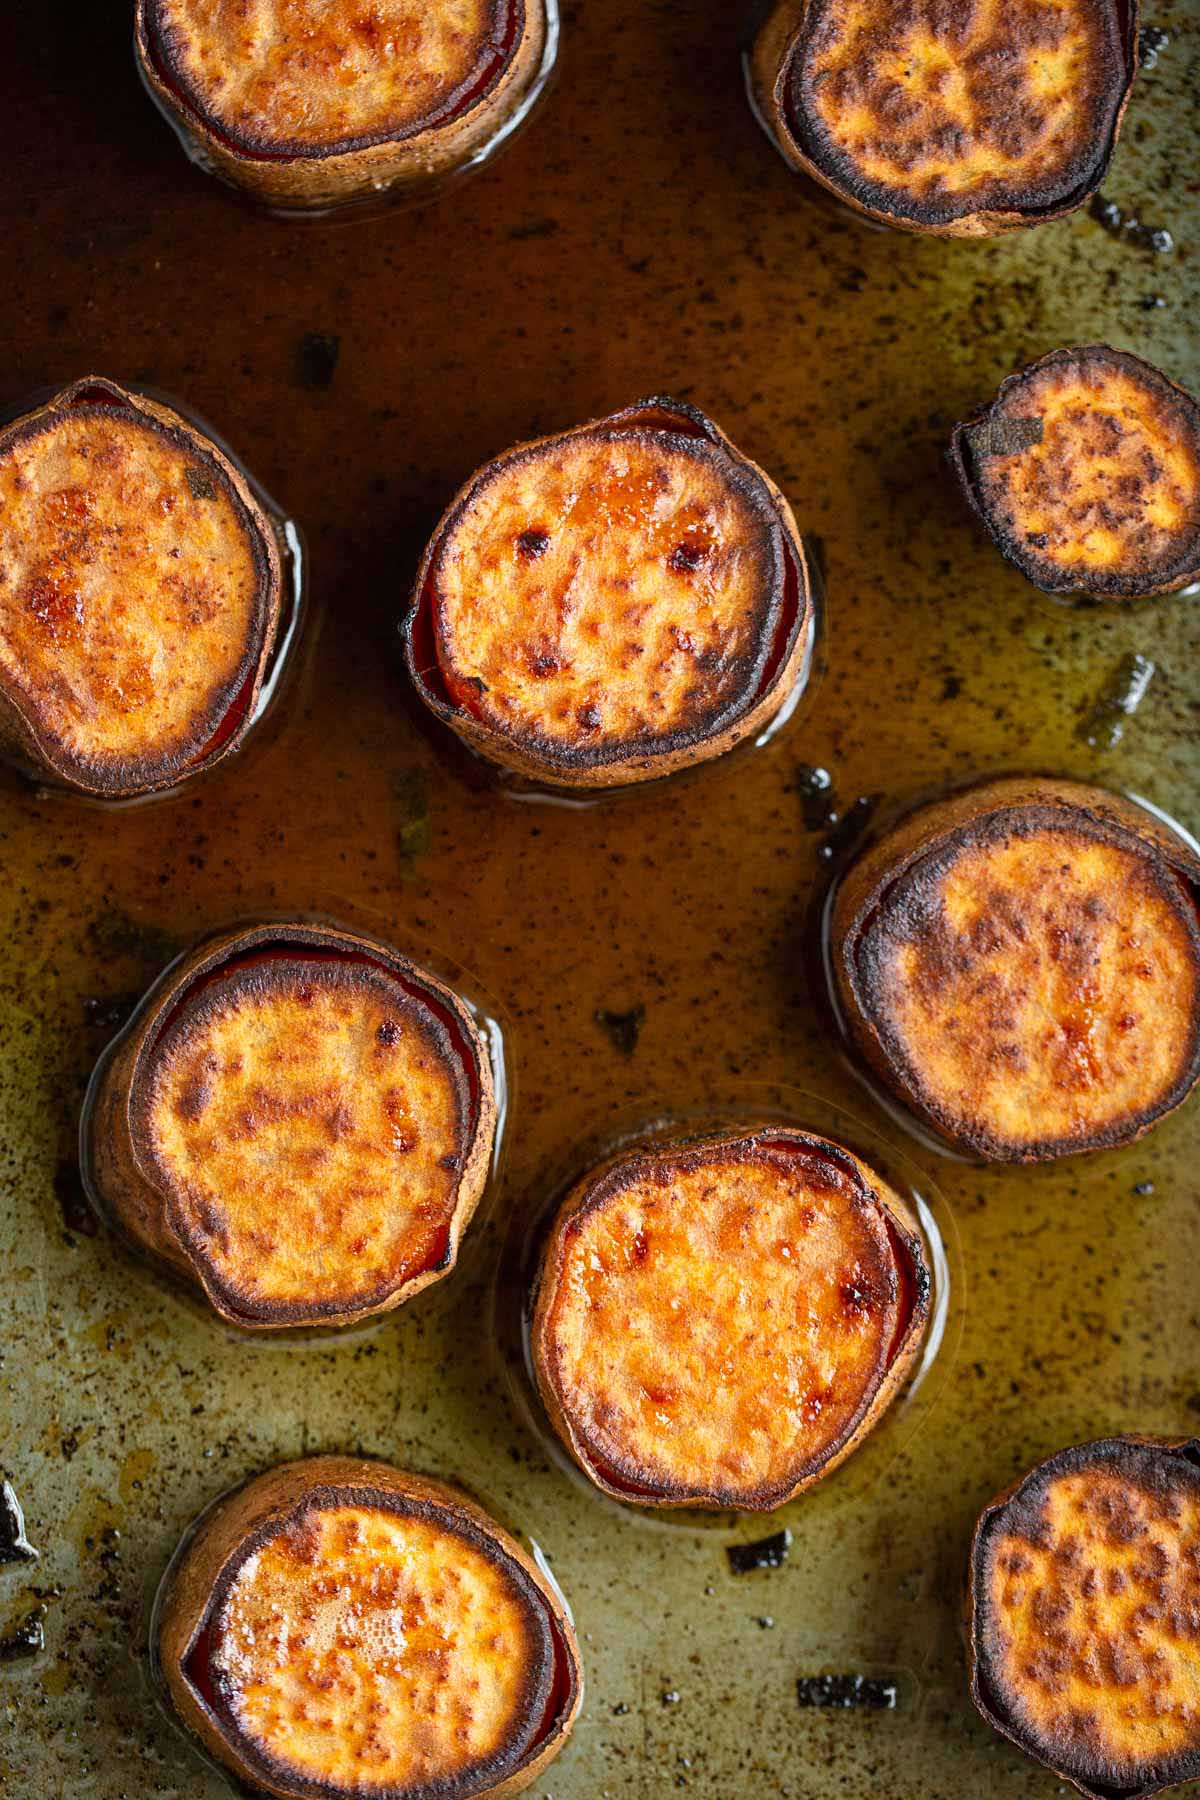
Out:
{"x": 311, "y": 103}
{"x": 720, "y": 1323}
{"x": 1020, "y": 963}
{"x": 340, "y": 1628}
{"x": 140, "y": 591}
{"x": 962, "y": 121}
{"x": 1085, "y": 469}
{"x": 1084, "y": 1615}
{"x": 299, "y": 1122}
{"x": 614, "y": 603}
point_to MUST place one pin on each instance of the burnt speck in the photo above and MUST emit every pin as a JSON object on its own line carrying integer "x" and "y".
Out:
{"x": 389, "y": 1033}
{"x": 26, "y": 1639}
{"x": 1143, "y": 1188}
{"x": 621, "y": 1028}
{"x": 763, "y": 1553}
{"x": 316, "y": 360}
{"x": 765, "y": 1622}
{"x": 1103, "y": 725}
{"x": 1152, "y": 41}
{"x": 952, "y": 687}
{"x": 846, "y": 829}
{"x": 109, "y": 1012}
{"x": 1151, "y": 302}
{"x": 77, "y": 1216}
{"x": 815, "y": 788}
{"x": 1130, "y": 228}
{"x": 589, "y": 718}
{"x": 620, "y": 1710}
{"x": 200, "y": 484}
{"x": 847, "y": 1691}
{"x": 14, "y": 1545}
{"x": 671, "y": 1697}
{"x": 536, "y": 228}
{"x": 686, "y": 558}
{"x": 532, "y": 544}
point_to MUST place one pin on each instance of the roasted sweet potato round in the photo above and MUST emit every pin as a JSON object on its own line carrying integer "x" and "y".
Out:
{"x": 340, "y": 1628}
{"x": 312, "y": 103}
{"x": 1020, "y": 963}
{"x": 960, "y": 121}
{"x": 299, "y": 1122}
{"x": 1084, "y": 1616}
{"x": 140, "y": 590}
{"x": 721, "y": 1322}
{"x": 612, "y": 604}
{"x": 1085, "y": 469}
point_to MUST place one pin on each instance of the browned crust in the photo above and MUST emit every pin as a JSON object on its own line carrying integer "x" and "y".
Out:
{"x": 1038, "y": 570}
{"x": 293, "y": 177}
{"x": 790, "y": 614}
{"x": 655, "y": 1157}
{"x": 1160, "y": 1463}
{"x": 769, "y": 70}
{"x": 229, "y": 1532}
{"x": 36, "y": 753}
{"x": 122, "y": 1170}
{"x": 969, "y": 816}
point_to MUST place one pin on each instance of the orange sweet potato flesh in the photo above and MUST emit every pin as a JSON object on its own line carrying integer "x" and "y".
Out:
{"x": 958, "y": 119}
{"x": 719, "y": 1324}
{"x": 1086, "y": 472}
{"x": 340, "y": 1628}
{"x": 139, "y": 588}
{"x": 300, "y": 78}
{"x": 1022, "y": 966}
{"x": 1085, "y": 1615}
{"x": 607, "y": 605}
{"x": 301, "y": 1126}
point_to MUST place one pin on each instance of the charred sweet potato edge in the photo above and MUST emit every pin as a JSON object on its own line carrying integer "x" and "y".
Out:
{"x": 114, "y": 1130}
{"x": 1187, "y": 566}
{"x": 769, "y": 65}
{"x": 975, "y": 813}
{"x": 312, "y": 179}
{"x": 20, "y": 739}
{"x": 223, "y": 1537}
{"x": 601, "y": 1183}
{"x": 1026, "y": 1492}
{"x": 790, "y": 625}
{"x": 157, "y": 44}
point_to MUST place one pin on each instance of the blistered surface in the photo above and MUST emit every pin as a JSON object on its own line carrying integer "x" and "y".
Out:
{"x": 677, "y": 254}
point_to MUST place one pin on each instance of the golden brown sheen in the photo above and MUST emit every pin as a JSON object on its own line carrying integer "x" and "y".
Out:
{"x": 1105, "y": 499}
{"x": 609, "y": 588}
{"x": 1021, "y": 961}
{"x": 378, "y": 1652}
{"x": 306, "y": 77}
{"x": 1087, "y": 1615}
{"x": 132, "y": 598}
{"x": 308, "y": 1119}
{"x": 935, "y": 109}
{"x": 713, "y": 1323}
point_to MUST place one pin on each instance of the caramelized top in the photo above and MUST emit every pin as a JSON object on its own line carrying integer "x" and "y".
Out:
{"x": 609, "y": 591}
{"x": 369, "y": 1650}
{"x": 307, "y": 1119}
{"x": 308, "y": 77}
{"x": 714, "y": 1322}
{"x": 132, "y": 592}
{"x": 1088, "y": 1603}
{"x": 1087, "y": 469}
{"x": 1038, "y": 984}
{"x": 933, "y": 110}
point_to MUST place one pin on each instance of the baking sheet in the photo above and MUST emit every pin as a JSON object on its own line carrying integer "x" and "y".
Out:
{"x": 641, "y": 236}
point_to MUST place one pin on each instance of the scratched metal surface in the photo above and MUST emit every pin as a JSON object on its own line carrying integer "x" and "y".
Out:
{"x": 640, "y": 236}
